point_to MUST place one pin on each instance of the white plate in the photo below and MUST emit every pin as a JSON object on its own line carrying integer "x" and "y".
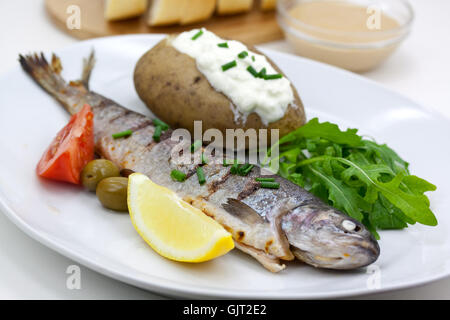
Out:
{"x": 72, "y": 222}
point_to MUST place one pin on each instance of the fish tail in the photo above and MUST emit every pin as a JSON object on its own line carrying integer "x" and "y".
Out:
{"x": 88, "y": 65}
{"x": 48, "y": 76}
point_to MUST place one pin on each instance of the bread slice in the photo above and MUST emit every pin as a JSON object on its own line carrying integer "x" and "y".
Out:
{"x": 124, "y": 9}
{"x": 233, "y": 6}
{"x": 267, "y": 5}
{"x": 164, "y": 12}
{"x": 196, "y": 10}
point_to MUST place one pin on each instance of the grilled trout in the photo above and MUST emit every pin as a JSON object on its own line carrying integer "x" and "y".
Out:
{"x": 271, "y": 225}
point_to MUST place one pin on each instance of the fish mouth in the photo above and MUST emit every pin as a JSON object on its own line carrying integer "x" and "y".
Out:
{"x": 356, "y": 254}
{"x": 363, "y": 253}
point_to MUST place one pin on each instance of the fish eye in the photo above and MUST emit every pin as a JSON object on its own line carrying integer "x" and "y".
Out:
{"x": 350, "y": 225}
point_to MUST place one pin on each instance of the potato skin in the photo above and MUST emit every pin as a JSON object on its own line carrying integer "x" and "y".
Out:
{"x": 172, "y": 87}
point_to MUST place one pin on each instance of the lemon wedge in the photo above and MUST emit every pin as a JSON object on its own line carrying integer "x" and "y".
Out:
{"x": 171, "y": 226}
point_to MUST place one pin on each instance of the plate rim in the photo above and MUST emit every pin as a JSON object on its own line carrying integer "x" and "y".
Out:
{"x": 174, "y": 288}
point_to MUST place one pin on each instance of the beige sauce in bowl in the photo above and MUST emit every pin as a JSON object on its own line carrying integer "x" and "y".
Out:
{"x": 342, "y": 33}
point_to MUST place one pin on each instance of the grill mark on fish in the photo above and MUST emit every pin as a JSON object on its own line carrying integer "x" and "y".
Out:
{"x": 151, "y": 144}
{"x": 141, "y": 126}
{"x": 123, "y": 114}
{"x": 192, "y": 171}
{"x": 100, "y": 106}
{"x": 214, "y": 186}
{"x": 165, "y": 135}
{"x": 249, "y": 189}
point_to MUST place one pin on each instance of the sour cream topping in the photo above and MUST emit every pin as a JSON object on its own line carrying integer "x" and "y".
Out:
{"x": 267, "y": 98}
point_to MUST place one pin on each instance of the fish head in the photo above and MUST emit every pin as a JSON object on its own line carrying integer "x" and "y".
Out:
{"x": 327, "y": 238}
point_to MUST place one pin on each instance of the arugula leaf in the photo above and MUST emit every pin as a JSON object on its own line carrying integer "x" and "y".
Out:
{"x": 370, "y": 226}
{"x": 417, "y": 185}
{"x": 384, "y": 218}
{"x": 387, "y": 155}
{"x": 366, "y": 180}
{"x": 413, "y": 205}
{"x": 325, "y": 130}
{"x": 342, "y": 196}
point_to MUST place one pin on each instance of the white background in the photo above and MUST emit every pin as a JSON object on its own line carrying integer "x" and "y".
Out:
{"x": 420, "y": 70}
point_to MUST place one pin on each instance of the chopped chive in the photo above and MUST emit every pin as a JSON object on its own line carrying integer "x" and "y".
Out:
{"x": 253, "y": 58}
{"x": 252, "y": 71}
{"x": 164, "y": 126}
{"x": 273, "y": 76}
{"x": 245, "y": 169}
{"x": 229, "y": 65}
{"x": 262, "y": 73}
{"x": 225, "y": 162}
{"x": 157, "y": 133}
{"x": 178, "y": 175}
{"x": 235, "y": 168}
{"x": 269, "y": 185}
{"x": 204, "y": 159}
{"x": 122, "y": 134}
{"x": 197, "y": 35}
{"x": 201, "y": 175}
{"x": 243, "y": 54}
{"x": 265, "y": 179}
{"x": 223, "y": 45}
{"x": 197, "y": 144}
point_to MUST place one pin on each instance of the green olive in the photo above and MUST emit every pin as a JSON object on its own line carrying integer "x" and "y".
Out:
{"x": 112, "y": 193}
{"x": 97, "y": 170}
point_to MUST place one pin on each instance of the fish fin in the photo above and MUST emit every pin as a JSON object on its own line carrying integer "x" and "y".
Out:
{"x": 88, "y": 65}
{"x": 48, "y": 77}
{"x": 268, "y": 261}
{"x": 242, "y": 211}
{"x": 56, "y": 64}
{"x": 45, "y": 74}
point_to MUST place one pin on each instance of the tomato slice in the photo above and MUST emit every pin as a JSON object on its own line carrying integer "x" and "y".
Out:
{"x": 71, "y": 150}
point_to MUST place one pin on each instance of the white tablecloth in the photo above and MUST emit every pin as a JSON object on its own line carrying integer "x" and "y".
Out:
{"x": 420, "y": 70}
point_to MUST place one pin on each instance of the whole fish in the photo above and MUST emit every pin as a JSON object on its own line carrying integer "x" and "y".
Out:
{"x": 271, "y": 225}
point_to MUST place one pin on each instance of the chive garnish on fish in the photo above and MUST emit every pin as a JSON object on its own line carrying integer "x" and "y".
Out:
{"x": 243, "y": 54}
{"x": 122, "y": 134}
{"x": 223, "y": 45}
{"x": 197, "y": 144}
{"x": 253, "y": 58}
{"x": 204, "y": 159}
{"x": 157, "y": 133}
{"x": 201, "y": 176}
{"x": 265, "y": 179}
{"x": 235, "y": 167}
{"x": 226, "y": 163}
{"x": 197, "y": 35}
{"x": 269, "y": 185}
{"x": 164, "y": 126}
{"x": 245, "y": 169}
{"x": 229, "y": 65}
{"x": 178, "y": 175}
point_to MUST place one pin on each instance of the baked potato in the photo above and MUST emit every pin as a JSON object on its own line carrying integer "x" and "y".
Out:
{"x": 172, "y": 87}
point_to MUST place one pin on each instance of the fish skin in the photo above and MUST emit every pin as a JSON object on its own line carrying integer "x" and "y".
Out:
{"x": 271, "y": 225}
